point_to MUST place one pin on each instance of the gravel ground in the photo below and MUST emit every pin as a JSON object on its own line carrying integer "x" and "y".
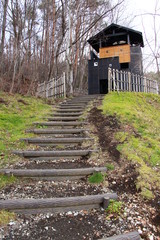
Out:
{"x": 57, "y": 164}
{"x": 71, "y": 225}
{"x": 50, "y": 189}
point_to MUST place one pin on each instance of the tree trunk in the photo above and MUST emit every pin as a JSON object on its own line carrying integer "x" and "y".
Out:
{"x": 3, "y": 27}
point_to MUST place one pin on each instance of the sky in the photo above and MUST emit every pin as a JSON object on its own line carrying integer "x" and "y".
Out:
{"x": 145, "y": 23}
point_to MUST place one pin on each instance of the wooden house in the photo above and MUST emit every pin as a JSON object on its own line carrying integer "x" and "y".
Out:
{"x": 117, "y": 47}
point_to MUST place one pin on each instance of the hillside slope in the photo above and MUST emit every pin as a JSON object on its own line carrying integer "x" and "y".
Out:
{"x": 17, "y": 113}
{"x": 139, "y": 135}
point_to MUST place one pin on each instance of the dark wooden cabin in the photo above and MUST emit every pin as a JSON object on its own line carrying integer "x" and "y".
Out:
{"x": 119, "y": 48}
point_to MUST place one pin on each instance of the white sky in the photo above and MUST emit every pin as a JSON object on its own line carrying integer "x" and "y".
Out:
{"x": 145, "y": 24}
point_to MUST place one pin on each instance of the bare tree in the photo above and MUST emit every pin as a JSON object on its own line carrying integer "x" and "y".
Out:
{"x": 36, "y": 46}
{"x": 5, "y": 6}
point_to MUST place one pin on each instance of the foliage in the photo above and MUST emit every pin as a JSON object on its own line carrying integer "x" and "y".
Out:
{"x": 139, "y": 137}
{"x": 5, "y": 180}
{"x": 6, "y": 217}
{"x": 114, "y": 209}
{"x": 96, "y": 177}
{"x": 109, "y": 166}
{"x": 16, "y": 116}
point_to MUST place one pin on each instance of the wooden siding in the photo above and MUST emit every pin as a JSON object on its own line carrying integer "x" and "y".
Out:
{"x": 121, "y": 51}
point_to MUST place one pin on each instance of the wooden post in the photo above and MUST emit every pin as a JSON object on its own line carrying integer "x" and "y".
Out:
{"x": 126, "y": 236}
{"x": 55, "y": 87}
{"x": 109, "y": 79}
{"x": 47, "y": 84}
{"x": 117, "y": 77}
{"x": 64, "y": 85}
{"x": 44, "y": 89}
{"x": 121, "y": 79}
{"x": 105, "y": 202}
{"x": 114, "y": 82}
{"x": 139, "y": 84}
{"x": 136, "y": 84}
{"x": 129, "y": 82}
{"x": 124, "y": 81}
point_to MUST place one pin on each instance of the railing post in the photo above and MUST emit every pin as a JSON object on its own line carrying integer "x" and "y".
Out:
{"x": 121, "y": 79}
{"x": 114, "y": 80}
{"x": 117, "y": 77}
{"x": 109, "y": 79}
{"x": 64, "y": 84}
{"x": 129, "y": 82}
{"x": 44, "y": 89}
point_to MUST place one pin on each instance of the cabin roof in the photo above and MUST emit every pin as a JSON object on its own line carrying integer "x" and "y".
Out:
{"x": 114, "y": 34}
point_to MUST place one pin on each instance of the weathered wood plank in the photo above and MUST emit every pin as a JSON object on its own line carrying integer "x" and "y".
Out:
{"x": 51, "y": 172}
{"x": 53, "y": 153}
{"x": 69, "y": 110}
{"x": 65, "y": 106}
{"x": 63, "y": 118}
{"x": 127, "y": 236}
{"x": 54, "y": 204}
{"x": 78, "y": 123}
{"x": 56, "y": 131}
{"x": 56, "y": 210}
{"x": 54, "y": 140}
{"x": 66, "y": 114}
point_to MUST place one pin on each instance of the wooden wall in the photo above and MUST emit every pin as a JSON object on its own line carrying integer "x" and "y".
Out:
{"x": 121, "y": 51}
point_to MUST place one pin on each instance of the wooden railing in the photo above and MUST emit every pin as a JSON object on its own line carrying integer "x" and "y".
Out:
{"x": 129, "y": 82}
{"x": 53, "y": 88}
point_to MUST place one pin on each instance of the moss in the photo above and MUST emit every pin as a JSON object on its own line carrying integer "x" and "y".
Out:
{"x": 147, "y": 194}
{"x": 109, "y": 166}
{"x": 96, "y": 178}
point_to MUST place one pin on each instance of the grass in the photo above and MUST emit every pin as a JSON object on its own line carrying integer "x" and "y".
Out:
{"x": 110, "y": 166}
{"x": 96, "y": 178}
{"x": 4, "y": 180}
{"x": 114, "y": 209}
{"x": 6, "y": 217}
{"x": 16, "y": 116}
{"x": 139, "y": 138}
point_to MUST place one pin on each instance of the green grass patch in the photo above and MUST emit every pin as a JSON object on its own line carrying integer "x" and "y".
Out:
{"x": 6, "y": 180}
{"x": 114, "y": 209}
{"x": 6, "y": 217}
{"x": 139, "y": 138}
{"x": 16, "y": 116}
{"x": 110, "y": 166}
{"x": 96, "y": 178}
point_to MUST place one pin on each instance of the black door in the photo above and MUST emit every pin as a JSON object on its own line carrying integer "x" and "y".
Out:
{"x": 103, "y": 86}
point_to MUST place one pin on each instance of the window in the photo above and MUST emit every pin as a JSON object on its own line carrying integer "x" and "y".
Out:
{"x": 124, "y": 65}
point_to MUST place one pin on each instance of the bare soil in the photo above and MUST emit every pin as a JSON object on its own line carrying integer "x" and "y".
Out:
{"x": 123, "y": 178}
{"x": 106, "y": 127}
